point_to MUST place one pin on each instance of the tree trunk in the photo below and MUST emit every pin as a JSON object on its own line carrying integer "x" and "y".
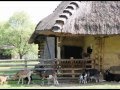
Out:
{"x": 21, "y": 56}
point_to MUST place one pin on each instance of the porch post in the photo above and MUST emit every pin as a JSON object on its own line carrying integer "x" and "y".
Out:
{"x": 58, "y": 48}
{"x": 99, "y": 52}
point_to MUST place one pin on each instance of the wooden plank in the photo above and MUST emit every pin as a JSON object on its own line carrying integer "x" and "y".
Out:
{"x": 58, "y": 60}
{"x": 11, "y": 60}
{"x": 43, "y": 68}
{"x": 12, "y": 65}
{"x": 47, "y": 60}
{"x": 68, "y": 73}
{"x": 17, "y": 60}
{"x": 62, "y": 69}
{"x": 68, "y": 77}
{"x": 88, "y": 64}
{"x": 70, "y": 69}
{"x": 46, "y": 64}
{"x": 73, "y": 60}
{"x": 7, "y": 74}
{"x": 9, "y": 70}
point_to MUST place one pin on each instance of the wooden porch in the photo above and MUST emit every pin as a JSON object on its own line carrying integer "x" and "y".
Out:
{"x": 68, "y": 68}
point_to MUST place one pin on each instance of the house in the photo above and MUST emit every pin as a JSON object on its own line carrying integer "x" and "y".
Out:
{"x": 77, "y": 27}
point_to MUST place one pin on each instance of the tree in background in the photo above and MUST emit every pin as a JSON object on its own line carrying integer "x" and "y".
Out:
{"x": 5, "y": 48}
{"x": 3, "y": 33}
{"x": 16, "y": 32}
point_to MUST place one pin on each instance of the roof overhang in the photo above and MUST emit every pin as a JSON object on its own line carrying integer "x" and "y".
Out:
{"x": 50, "y": 33}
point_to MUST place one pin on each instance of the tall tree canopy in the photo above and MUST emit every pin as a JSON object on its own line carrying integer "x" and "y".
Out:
{"x": 16, "y": 32}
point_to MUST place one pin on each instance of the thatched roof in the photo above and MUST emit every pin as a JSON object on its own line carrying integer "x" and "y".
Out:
{"x": 82, "y": 17}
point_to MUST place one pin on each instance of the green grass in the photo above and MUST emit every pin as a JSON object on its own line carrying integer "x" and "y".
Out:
{"x": 103, "y": 85}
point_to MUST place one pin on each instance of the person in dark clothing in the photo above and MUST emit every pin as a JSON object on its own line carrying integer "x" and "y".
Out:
{"x": 89, "y": 51}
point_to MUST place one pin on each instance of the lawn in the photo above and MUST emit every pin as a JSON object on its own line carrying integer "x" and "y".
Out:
{"x": 102, "y": 85}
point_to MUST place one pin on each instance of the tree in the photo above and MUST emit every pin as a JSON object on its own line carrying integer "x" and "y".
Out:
{"x": 5, "y": 48}
{"x": 2, "y": 33}
{"x": 17, "y": 31}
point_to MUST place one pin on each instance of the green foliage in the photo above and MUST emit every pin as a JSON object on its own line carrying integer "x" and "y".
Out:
{"x": 2, "y": 34}
{"x": 16, "y": 32}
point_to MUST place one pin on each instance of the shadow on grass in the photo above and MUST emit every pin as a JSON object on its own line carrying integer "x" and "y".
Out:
{"x": 37, "y": 84}
{"x": 32, "y": 84}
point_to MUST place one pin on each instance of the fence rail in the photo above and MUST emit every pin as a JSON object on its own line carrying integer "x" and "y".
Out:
{"x": 21, "y": 60}
{"x": 9, "y": 67}
{"x": 63, "y": 66}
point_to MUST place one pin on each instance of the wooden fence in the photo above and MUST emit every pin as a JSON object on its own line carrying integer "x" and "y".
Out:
{"x": 9, "y": 67}
{"x": 66, "y": 68}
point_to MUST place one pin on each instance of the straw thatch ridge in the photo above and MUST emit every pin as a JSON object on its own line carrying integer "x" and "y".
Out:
{"x": 91, "y": 18}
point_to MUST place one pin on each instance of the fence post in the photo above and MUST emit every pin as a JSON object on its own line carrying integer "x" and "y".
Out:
{"x": 25, "y": 61}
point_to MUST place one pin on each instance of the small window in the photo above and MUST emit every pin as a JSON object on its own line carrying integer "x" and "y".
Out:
{"x": 60, "y": 21}
{"x": 55, "y": 27}
{"x": 70, "y": 7}
{"x": 67, "y": 11}
{"x": 63, "y": 16}
{"x": 74, "y": 4}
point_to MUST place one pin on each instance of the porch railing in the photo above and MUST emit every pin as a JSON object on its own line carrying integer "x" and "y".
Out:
{"x": 69, "y": 67}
